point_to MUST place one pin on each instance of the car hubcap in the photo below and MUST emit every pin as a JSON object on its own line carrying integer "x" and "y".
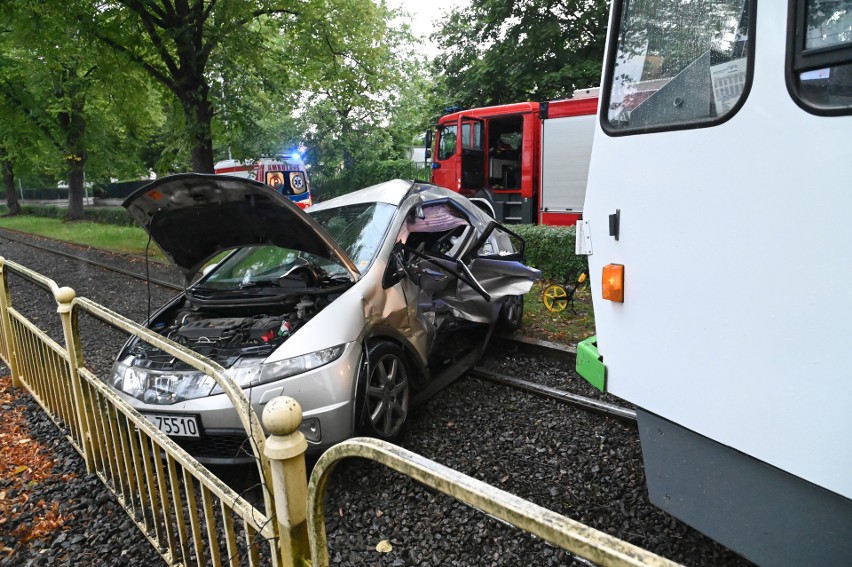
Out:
{"x": 387, "y": 395}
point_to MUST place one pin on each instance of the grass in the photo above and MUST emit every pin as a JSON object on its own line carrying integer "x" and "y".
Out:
{"x": 124, "y": 239}
{"x": 564, "y": 327}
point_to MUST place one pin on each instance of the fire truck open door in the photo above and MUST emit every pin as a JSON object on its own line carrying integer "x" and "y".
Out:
{"x": 472, "y": 148}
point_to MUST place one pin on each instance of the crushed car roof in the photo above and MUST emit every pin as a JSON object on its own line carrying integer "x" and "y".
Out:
{"x": 194, "y": 216}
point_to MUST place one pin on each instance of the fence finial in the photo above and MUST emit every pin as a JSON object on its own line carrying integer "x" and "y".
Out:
{"x": 64, "y": 296}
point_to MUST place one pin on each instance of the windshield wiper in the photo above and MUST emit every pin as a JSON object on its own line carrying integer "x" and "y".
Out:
{"x": 259, "y": 283}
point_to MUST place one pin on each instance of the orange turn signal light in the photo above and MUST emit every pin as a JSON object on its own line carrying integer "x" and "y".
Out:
{"x": 613, "y": 282}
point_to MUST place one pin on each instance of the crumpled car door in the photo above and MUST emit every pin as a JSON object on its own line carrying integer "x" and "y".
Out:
{"x": 472, "y": 283}
{"x": 494, "y": 265}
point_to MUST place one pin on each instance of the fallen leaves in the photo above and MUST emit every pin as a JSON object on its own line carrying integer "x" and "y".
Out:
{"x": 25, "y": 464}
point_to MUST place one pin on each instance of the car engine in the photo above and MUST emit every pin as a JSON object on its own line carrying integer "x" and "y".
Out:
{"x": 224, "y": 339}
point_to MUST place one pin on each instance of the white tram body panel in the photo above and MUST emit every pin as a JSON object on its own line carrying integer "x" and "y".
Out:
{"x": 736, "y": 242}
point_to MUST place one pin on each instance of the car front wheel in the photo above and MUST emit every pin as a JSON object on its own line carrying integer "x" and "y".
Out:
{"x": 387, "y": 393}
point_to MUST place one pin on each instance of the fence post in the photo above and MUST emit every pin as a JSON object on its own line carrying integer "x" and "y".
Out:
{"x": 5, "y": 320}
{"x": 285, "y": 449}
{"x": 64, "y": 297}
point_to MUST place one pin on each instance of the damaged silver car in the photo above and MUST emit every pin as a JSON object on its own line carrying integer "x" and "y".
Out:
{"x": 359, "y": 308}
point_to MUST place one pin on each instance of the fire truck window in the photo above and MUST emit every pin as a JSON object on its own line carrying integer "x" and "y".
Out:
{"x": 447, "y": 141}
{"x": 823, "y": 65}
{"x": 677, "y": 64}
{"x": 505, "y": 137}
{"x": 472, "y": 136}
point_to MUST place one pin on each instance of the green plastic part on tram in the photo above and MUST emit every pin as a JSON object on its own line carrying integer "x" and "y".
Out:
{"x": 590, "y": 363}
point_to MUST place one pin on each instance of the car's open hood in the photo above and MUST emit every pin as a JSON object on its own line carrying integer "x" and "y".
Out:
{"x": 194, "y": 216}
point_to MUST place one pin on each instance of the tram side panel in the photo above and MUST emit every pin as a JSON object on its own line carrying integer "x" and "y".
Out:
{"x": 733, "y": 333}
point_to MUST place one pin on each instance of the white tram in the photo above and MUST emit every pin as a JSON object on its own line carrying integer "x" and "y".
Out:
{"x": 718, "y": 224}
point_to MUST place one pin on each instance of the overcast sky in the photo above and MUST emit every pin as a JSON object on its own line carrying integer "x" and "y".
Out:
{"x": 424, "y": 13}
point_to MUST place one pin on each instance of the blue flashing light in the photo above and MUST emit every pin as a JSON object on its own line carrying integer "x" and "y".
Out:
{"x": 296, "y": 155}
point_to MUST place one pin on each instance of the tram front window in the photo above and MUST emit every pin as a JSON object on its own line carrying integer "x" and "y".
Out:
{"x": 822, "y": 65}
{"x": 677, "y": 64}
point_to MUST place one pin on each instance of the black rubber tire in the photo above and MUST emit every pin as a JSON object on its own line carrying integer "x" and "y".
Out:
{"x": 386, "y": 392}
{"x": 511, "y": 314}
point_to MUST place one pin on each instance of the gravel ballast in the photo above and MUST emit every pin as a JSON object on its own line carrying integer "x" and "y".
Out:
{"x": 582, "y": 465}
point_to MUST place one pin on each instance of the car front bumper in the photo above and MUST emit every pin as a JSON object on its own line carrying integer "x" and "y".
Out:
{"x": 326, "y": 396}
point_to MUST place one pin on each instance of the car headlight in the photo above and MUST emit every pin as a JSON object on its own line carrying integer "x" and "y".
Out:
{"x": 250, "y": 372}
{"x": 165, "y": 387}
{"x": 128, "y": 379}
{"x": 299, "y": 364}
{"x": 158, "y": 386}
{"x": 245, "y": 372}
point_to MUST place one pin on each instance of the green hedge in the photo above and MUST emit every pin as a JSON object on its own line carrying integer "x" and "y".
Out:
{"x": 118, "y": 190}
{"x": 110, "y": 215}
{"x": 103, "y": 215}
{"x": 551, "y": 250}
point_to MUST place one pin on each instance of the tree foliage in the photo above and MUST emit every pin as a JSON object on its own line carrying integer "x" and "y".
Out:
{"x": 502, "y": 51}
{"x": 102, "y": 89}
{"x": 347, "y": 119}
{"x": 65, "y": 114}
{"x": 237, "y": 54}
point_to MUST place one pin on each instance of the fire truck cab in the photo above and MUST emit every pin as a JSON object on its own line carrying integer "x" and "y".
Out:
{"x": 522, "y": 163}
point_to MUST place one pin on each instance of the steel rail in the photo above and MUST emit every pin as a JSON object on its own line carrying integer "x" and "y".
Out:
{"x": 129, "y": 273}
{"x": 561, "y": 396}
{"x": 501, "y": 379}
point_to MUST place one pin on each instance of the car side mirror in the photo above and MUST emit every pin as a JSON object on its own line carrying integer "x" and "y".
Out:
{"x": 427, "y": 140}
{"x": 428, "y": 153}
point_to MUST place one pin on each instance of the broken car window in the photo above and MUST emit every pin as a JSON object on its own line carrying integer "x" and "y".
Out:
{"x": 437, "y": 229}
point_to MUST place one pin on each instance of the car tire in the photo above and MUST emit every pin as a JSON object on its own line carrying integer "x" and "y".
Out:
{"x": 511, "y": 314}
{"x": 386, "y": 392}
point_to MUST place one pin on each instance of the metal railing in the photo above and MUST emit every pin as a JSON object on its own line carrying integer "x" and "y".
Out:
{"x": 188, "y": 514}
{"x": 177, "y": 503}
{"x": 568, "y": 534}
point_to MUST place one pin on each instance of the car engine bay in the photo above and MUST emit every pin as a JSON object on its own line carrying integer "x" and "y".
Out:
{"x": 228, "y": 334}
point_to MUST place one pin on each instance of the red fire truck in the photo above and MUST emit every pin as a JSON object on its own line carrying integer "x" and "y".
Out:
{"x": 287, "y": 175}
{"x": 523, "y": 163}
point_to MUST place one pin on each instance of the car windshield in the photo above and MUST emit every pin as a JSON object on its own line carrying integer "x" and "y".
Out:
{"x": 358, "y": 229}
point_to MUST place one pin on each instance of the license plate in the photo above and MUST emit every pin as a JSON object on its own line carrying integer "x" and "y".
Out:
{"x": 176, "y": 425}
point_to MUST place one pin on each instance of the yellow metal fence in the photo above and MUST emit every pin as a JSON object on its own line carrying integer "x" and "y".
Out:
{"x": 177, "y": 503}
{"x": 188, "y": 514}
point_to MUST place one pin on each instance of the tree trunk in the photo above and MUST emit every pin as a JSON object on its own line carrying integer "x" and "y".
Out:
{"x": 9, "y": 181}
{"x": 76, "y": 190}
{"x": 198, "y": 112}
{"x": 345, "y": 136}
{"x": 76, "y": 158}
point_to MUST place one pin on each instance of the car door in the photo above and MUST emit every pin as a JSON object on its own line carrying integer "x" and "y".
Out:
{"x": 456, "y": 269}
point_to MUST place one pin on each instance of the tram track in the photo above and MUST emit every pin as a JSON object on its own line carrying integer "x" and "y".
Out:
{"x": 561, "y": 396}
{"x": 129, "y": 273}
{"x": 531, "y": 445}
{"x": 541, "y": 347}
